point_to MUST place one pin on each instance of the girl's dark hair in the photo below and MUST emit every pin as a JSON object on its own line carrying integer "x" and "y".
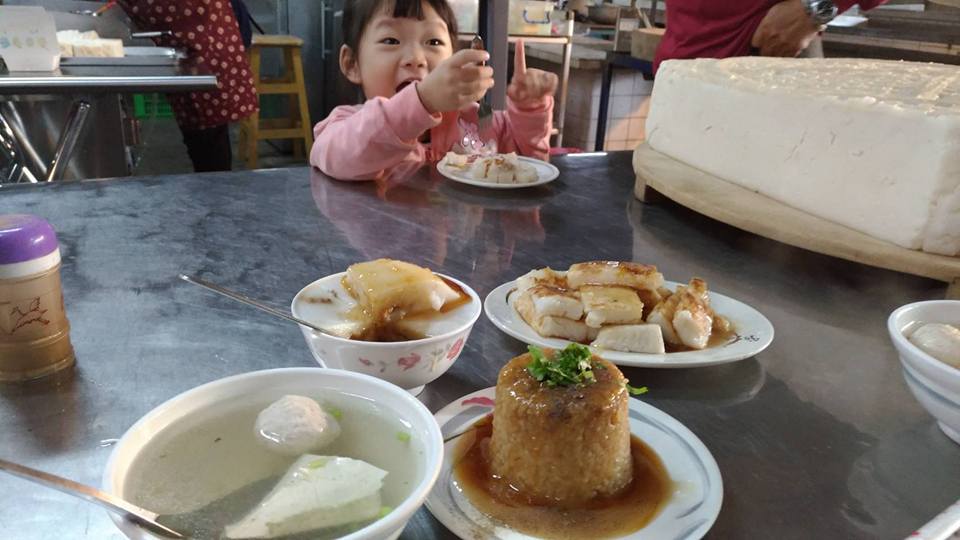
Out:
{"x": 357, "y": 13}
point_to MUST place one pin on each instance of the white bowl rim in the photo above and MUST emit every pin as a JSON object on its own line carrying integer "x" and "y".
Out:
{"x": 904, "y": 344}
{"x": 474, "y": 302}
{"x": 379, "y": 528}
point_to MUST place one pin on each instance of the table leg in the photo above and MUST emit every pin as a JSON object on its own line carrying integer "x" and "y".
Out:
{"x": 72, "y": 130}
{"x": 604, "y": 104}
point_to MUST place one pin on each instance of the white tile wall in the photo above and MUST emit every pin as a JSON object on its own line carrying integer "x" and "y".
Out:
{"x": 624, "y": 125}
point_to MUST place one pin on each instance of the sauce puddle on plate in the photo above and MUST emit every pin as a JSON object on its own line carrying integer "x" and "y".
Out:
{"x": 607, "y": 517}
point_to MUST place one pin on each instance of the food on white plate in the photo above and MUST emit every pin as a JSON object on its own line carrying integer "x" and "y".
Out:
{"x": 555, "y": 302}
{"x": 544, "y": 276}
{"x": 941, "y": 341}
{"x": 610, "y": 305}
{"x": 390, "y": 297}
{"x": 88, "y": 44}
{"x": 296, "y": 425}
{"x": 624, "y": 306}
{"x": 824, "y": 136}
{"x": 631, "y": 337}
{"x": 557, "y": 458}
{"x": 536, "y": 314}
{"x": 495, "y": 169}
{"x": 623, "y": 274}
{"x": 686, "y": 317}
{"x": 533, "y": 444}
{"x": 459, "y": 161}
{"x": 317, "y": 492}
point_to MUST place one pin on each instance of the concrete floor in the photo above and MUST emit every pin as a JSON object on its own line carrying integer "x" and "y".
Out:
{"x": 163, "y": 152}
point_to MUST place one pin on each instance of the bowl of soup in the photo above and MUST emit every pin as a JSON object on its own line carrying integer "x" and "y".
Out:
{"x": 409, "y": 352}
{"x": 927, "y": 338}
{"x": 215, "y": 463}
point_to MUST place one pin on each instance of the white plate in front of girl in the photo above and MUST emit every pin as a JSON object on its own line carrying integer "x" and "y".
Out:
{"x": 689, "y": 513}
{"x": 752, "y": 333}
{"x": 546, "y": 173}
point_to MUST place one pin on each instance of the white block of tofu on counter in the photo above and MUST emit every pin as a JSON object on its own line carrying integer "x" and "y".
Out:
{"x": 74, "y": 43}
{"x": 869, "y": 144}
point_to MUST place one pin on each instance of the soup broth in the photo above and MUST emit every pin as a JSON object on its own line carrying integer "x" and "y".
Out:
{"x": 211, "y": 469}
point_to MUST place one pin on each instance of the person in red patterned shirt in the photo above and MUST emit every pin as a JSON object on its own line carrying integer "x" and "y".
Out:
{"x": 207, "y": 30}
{"x": 721, "y": 29}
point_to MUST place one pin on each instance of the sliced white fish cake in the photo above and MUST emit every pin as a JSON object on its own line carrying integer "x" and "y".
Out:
{"x": 610, "y": 305}
{"x": 623, "y": 274}
{"x": 551, "y": 302}
{"x": 547, "y": 326}
{"x": 459, "y": 161}
{"x": 543, "y": 276}
{"x": 693, "y": 327}
{"x": 316, "y": 492}
{"x": 941, "y": 341}
{"x": 638, "y": 338}
{"x": 659, "y": 318}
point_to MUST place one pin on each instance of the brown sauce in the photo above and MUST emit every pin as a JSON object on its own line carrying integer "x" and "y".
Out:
{"x": 717, "y": 339}
{"x": 607, "y": 517}
{"x": 389, "y": 326}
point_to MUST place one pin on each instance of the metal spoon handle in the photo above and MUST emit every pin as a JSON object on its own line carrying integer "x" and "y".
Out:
{"x": 249, "y": 301}
{"x": 140, "y": 516}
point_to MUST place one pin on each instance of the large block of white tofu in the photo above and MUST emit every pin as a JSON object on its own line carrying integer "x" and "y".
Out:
{"x": 873, "y": 145}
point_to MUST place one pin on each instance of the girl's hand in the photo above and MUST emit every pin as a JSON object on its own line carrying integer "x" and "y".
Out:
{"x": 529, "y": 87}
{"x": 457, "y": 82}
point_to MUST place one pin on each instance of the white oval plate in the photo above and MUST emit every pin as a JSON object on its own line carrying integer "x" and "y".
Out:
{"x": 547, "y": 173}
{"x": 689, "y": 514}
{"x": 753, "y": 333}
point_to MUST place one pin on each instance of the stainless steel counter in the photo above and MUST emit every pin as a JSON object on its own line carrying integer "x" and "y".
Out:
{"x": 107, "y": 80}
{"x": 818, "y": 437}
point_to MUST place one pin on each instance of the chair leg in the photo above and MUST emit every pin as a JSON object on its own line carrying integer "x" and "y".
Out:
{"x": 253, "y": 121}
{"x": 302, "y": 104}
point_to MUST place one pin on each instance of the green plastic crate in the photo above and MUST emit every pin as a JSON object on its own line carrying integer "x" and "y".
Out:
{"x": 151, "y": 106}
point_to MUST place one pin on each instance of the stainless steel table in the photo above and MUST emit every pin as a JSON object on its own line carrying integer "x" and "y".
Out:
{"x": 818, "y": 437}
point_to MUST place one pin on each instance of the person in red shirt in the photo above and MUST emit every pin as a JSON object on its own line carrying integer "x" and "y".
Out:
{"x": 209, "y": 33}
{"x": 721, "y": 29}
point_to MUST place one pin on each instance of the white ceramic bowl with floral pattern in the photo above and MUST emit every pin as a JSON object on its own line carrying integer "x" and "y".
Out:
{"x": 407, "y": 364}
{"x": 935, "y": 384}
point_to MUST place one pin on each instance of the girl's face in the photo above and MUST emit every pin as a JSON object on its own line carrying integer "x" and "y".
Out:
{"x": 396, "y": 51}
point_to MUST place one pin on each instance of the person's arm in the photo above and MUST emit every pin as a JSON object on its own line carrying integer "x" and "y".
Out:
{"x": 865, "y": 5}
{"x": 527, "y": 131}
{"x": 360, "y": 143}
{"x": 787, "y": 29}
{"x": 528, "y": 120}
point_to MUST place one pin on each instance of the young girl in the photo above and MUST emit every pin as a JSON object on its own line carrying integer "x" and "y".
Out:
{"x": 401, "y": 53}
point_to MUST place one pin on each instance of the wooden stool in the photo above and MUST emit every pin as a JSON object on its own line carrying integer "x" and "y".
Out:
{"x": 297, "y": 124}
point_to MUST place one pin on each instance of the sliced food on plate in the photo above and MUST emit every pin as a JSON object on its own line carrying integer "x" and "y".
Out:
{"x": 493, "y": 168}
{"x": 619, "y": 306}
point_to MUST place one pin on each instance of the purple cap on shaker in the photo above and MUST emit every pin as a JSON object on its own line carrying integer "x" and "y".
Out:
{"x": 24, "y": 237}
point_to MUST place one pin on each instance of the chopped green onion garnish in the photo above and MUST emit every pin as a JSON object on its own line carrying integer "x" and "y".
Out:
{"x": 335, "y": 412}
{"x": 384, "y": 510}
{"x": 634, "y": 391}
{"x": 403, "y": 436}
{"x": 573, "y": 365}
{"x": 317, "y": 463}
